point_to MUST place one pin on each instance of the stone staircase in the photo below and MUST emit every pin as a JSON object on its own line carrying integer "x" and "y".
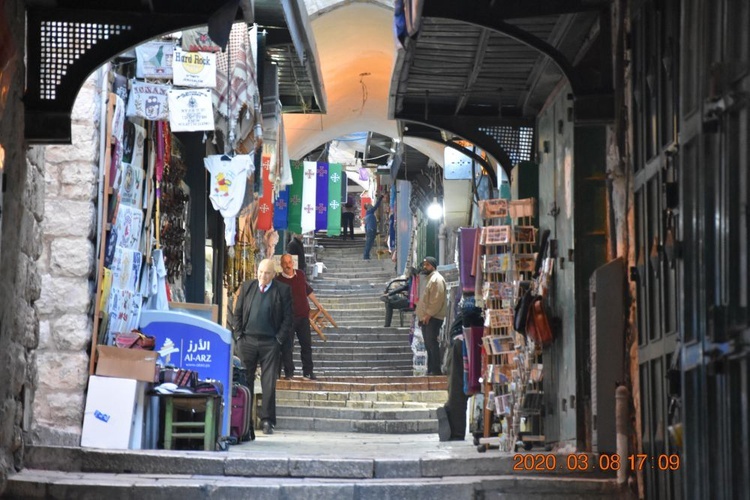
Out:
{"x": 393, "y": 406}
{"x": 296, "y": 472}
{"x": 364, "y": 430}
{"x": 364, "y": 370}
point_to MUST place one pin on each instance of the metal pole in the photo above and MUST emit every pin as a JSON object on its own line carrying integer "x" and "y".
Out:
{"x": 622, "y": 397}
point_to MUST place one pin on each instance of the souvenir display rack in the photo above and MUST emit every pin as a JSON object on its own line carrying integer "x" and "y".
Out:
{"x": 511, "y": 377}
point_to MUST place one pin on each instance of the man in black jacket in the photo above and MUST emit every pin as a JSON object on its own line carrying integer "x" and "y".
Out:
{"x": 261, "y": 323}
{"x": 296, "y": 247}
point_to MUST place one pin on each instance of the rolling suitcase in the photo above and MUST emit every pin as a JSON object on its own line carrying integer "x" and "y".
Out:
{"x": 248, "y": 425}
{"x": 241, "y": 425}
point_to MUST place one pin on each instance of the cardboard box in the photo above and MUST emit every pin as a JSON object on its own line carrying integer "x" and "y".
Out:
{"x": 126, "y": 363}
{"x": 111, "y": 417}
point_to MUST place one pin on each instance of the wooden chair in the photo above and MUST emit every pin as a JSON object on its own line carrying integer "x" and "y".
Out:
{"x": 205, "y": 428}
{"x": 320, "y": 319}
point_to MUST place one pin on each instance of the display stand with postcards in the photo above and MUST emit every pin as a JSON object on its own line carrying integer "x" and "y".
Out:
{"x": 511, "y": 376}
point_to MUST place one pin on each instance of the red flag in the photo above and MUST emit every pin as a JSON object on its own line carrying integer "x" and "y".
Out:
{"x": 265, "y": 205}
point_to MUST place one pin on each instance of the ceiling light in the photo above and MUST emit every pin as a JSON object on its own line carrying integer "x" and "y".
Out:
{"x": 435, "y": 210}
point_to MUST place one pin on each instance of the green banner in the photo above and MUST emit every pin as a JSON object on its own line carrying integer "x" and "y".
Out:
{"x": 334, "y": 199}
{"x": 295, "y": 198}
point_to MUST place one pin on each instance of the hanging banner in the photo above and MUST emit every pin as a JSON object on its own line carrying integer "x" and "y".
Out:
{"x": 334, "y": 197}
{"x": 321, "y": 196}
{"x": 130, "y": 188}
{"x": 194, "y": 69}
{"x": 309, "y": 195}
{"x": 295, "y": 198}
{"x": 126, "y": 269}
{"x": 154, "y": 60}
{"x": 149, "y": 101}
{"x": 127, "y": 228}
{"x": 140, "y": 138}
{"x": 190, "y": 110}
{"x": 197, "y": 40}
{"x": 265, "y": 204}
{"x": 281, "y": 210}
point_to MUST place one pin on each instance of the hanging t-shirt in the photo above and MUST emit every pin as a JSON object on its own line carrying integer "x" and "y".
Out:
{"x": 228, "y": 179}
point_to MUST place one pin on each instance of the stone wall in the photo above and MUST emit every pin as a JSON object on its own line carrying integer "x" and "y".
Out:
{"x": 20, "y": 245}
{"x": 67, "y": 269}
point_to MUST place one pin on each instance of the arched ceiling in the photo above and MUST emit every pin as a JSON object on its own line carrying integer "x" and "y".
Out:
{"x": 355, "y": 44}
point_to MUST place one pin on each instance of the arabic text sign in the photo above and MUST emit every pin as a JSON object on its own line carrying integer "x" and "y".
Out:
{"x": 190, "y": 342}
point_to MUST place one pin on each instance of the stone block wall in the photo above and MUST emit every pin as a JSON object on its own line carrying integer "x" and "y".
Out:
{"x": 67, "y": 270}
{"x": 21, "y": 201}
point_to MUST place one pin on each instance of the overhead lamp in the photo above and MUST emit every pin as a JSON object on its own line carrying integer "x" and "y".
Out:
{"x": 435, "y": 210}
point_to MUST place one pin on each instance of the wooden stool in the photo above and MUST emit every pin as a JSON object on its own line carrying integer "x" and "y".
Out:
{"x": 208, "y": 404}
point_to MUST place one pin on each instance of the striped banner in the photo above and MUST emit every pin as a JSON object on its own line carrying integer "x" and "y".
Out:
{"x": 321, "y": 196}
{"x": 295, "y": 198}
{"x": 309, "y": 195}
{"x": 334, "y": 199}
{"x": 281, "y": 210}
{"x": 265, "y": 205}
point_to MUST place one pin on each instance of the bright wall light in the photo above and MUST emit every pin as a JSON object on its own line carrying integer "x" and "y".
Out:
{"x": 435, "y": 210}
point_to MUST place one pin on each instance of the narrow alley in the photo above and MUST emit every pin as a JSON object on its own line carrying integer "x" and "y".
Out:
{"x": 365, "y": 429}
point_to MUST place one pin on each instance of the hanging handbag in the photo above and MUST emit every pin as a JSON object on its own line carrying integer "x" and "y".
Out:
{"x": 135, "y": 340}
{"x": 537, "y": 324}
{"x": 521, "y": 312}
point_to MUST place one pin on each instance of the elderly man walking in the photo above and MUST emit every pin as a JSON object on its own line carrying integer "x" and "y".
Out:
{"x": 261, "y": 323}
{"x": 431, "y": 310}
{"x": 301, "y": 291}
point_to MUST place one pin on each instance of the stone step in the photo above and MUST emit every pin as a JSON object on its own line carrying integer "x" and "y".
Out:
{"x": 293, "y": 462}
{"x": 424, "y": 396}
{"x": 335, "y": 343}
{"x": 329, "y": 348}
{"x": 333, "y": 273}
{"x": 377, "y": 335}
{"x": 403, "y": 354}
{"x": 45, "y": 484}
{"x": 369, "y": 426}
{"x": 358, "y": 404}
{"x": 351, "y": 413}
{"x": 358, "y": 384}
{"x": 325, "y": 368}
{"x": 347, "y": 372}
{"x": 351, "y": 300}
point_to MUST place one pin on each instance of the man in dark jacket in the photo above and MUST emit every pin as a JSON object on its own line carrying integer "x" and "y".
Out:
{"x": 261, "y": 323}
{"x": 371, "y": 226}
{"x": 296, "y": 247}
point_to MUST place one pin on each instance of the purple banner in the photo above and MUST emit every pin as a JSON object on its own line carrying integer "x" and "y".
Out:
{"x": 321, "y": 196}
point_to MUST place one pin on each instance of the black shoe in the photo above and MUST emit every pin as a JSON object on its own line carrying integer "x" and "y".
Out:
{"x": 310, "y": 377}
{"x": 267, "y": 427}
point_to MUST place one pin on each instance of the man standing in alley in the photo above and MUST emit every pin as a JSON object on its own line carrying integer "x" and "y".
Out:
{"x": 261, "y": 323}
{"x": 296, "y": 247}
{"x": 431, "y": 310}
{"x": 371, "y": 226}
{"x": 301, "y": 291}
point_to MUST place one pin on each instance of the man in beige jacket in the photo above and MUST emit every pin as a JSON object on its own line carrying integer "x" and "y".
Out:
{"x": 430, "y": 311}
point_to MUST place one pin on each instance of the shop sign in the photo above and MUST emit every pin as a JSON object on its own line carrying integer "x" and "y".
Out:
{"x": 154, "y": 60}
{"x": 190, "y": 110}
{"x": 149, "y": 101}
{"x": 194, "y": 69}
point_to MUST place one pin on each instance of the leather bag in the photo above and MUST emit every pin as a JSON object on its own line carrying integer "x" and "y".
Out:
{"x": 135, "y": 340}
{"x": 537, "y": 324}
{"x": 521, "y": 312}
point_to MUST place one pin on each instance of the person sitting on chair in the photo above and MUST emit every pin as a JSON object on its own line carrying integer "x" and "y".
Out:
{"x": 396, "y": 295}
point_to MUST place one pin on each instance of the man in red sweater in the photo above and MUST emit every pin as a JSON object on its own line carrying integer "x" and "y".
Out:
{"x": 301, "y": 290}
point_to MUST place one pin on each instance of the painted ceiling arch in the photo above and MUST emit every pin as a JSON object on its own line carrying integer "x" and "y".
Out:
{"x": 356, "y": 52}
